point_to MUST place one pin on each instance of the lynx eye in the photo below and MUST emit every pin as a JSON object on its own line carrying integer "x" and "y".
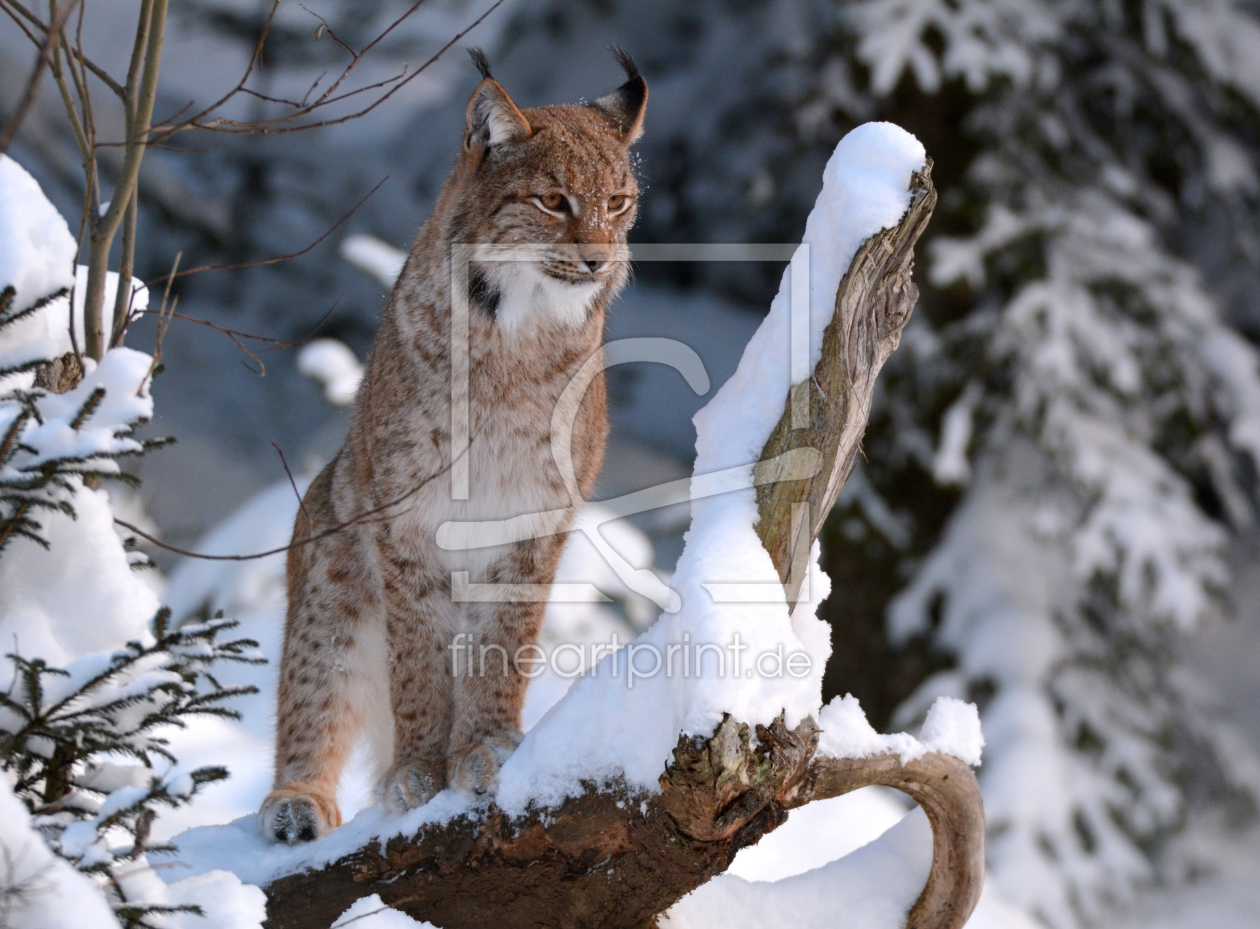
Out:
{"x": 617, "y": 203}
{"x": 553, "y": 202}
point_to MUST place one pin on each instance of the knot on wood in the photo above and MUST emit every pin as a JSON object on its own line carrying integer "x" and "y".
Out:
{"x": 717, "y": 785}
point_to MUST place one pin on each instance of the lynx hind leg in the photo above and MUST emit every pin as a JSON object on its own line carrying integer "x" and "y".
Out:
{"x": 475, "y": 767}
{"x": 333, "y": 652}
{"x": 298, "y": 813}
{"x": 420, "y": 619}
{"x": 490, "y": 688}
{"x": 411, "y": 784}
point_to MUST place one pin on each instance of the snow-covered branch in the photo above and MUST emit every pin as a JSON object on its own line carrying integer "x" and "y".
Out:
{"x": 585, "y": 829}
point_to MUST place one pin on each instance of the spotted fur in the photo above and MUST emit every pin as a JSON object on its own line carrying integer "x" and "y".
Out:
{"x": 371, "y": 618}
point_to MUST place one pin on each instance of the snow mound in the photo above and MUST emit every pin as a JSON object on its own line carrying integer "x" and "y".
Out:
{"x": 952, "y": 727}
{"x": 37, "y": 251}
{"x": 85, "y": 566}
{"x": 334, "y": 366}
{"x": 37, "y": 258}
{"x": 36, "y": 874}
{"x": 873, "y": 888}
{"x": 43, "y": 891}
{"x": 372, "y": 913}
{"x": 374, "y": 257}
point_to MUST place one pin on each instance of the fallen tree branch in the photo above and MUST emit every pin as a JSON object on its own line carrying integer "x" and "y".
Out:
{"x": 614, "y": 857}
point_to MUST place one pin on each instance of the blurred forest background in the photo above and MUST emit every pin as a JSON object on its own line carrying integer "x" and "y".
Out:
{"x": 1057, "y": 513}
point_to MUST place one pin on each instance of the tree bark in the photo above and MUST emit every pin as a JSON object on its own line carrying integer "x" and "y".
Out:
{"x": 614, "y": 857}
{"x": 873, "y": 305}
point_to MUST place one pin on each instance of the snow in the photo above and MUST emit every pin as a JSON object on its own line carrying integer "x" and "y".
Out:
{"x": 1223, "y": 892}
{"x": 40, "y": 877}
{"x": 819, "y": 833}
{"x": 45, "y": 590}
{"x": 37, "y": 251}
{"x": 226, "y": 902}
{"x": 371, "y": 913}
{"x": 123, "y": 377}
{"x": 334, "y": 366}
{"x": 37, "y": 257}
{"x": 375, "y": 257}
{"x": 623, "y": 721}
{"x": 950, "y": 464}
{"x": 952, "y": 727}
{"x": 86, "y": 562}
{"x": 45, "y": 334}
{"x": 980, "y": 44}
{"x": 852, "y": 861}
{"x": 872, "y": 888}
{"x": 799, "y": 876}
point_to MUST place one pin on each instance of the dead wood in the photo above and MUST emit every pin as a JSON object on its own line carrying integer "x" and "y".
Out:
{"x": 613, "y": 857}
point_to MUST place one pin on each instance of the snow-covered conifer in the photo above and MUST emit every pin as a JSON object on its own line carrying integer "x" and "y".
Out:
{"x": 1075, "y": 382}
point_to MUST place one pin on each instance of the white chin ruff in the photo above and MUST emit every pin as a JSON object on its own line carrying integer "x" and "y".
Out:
{"x": 528, "y": 297}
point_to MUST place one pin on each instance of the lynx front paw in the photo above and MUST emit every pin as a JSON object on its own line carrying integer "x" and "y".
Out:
{"x": 297, "y": 814}
{"x": 410, "y": 784}
{"x": 474, "y": 767}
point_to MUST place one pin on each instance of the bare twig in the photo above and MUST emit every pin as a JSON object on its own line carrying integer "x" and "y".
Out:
{"x": 164, "y": 321}
{"x": 279, "y": 258}
{"x": 286, "y": 123}
{"x": 292, "y": 483}
{"x": 103, "y": 228}
{"x": 325, "y": 26}
{"x": 52, "y": 34}
{"x": 374, "y": 515}
{"x": 17, "y": 12}
{"x": 276, "y": 344}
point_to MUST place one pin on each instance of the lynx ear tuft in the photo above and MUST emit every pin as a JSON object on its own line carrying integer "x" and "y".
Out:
{"x": 626, "y": 60}
{"x": 628, "y": 102}
{"x": 480, "y": 61}
{"x": 493, "y": 118}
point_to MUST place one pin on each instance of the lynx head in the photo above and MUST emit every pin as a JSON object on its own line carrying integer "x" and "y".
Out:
{"x": 556, "y": 186}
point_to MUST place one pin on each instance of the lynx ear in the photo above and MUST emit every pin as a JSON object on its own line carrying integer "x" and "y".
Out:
{"x": 628, "y": 102}
{"x": 493, "y": 118}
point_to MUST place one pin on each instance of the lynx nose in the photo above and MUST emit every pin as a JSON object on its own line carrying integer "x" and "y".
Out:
{"x": 596, "y": 259}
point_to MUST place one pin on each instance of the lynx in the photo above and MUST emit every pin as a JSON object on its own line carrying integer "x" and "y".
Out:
{"x": 371, "y": 614}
